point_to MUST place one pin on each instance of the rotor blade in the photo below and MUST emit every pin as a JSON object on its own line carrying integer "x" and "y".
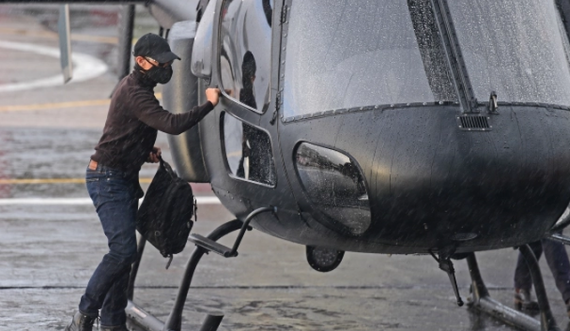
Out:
{"x": 63, "y": 28}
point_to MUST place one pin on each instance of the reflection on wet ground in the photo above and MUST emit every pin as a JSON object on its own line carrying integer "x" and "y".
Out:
{"x": 277, "y": 309}
{"x": 47, "y": 254}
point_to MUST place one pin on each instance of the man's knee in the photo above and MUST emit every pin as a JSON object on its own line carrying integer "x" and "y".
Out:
{"x": 124, "y": 257}
{"x": 131, "y": 258}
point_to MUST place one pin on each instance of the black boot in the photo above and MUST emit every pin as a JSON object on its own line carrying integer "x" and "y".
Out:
{"x": 81, "y": 322}
{"x": 114, "y": 328}
{"x": 524, "y": 302}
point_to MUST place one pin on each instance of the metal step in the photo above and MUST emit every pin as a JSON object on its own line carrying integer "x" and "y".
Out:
{"x": 211, "y": 245}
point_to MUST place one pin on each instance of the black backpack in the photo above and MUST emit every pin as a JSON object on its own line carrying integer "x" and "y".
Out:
{"x": 165, "y": 216}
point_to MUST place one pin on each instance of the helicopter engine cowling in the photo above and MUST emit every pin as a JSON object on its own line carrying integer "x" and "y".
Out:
{"x": 167, "y": 13}
{"x": 180, "y": 95}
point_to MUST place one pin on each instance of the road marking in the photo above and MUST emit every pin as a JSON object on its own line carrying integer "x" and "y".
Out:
{"x": 85, "y": 67}
{"x": 54, "y": 181}
{"x": 80, "y": 201}
{"x": 61, "y": 105}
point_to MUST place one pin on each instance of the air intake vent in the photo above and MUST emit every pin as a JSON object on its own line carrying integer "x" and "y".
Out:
{"x": 473, "y": 123}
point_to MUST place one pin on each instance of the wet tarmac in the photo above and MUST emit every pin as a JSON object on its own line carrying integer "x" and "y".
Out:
{"x": 48, "y": 249}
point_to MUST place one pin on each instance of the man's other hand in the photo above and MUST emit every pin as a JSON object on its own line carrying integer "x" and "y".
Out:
{"x": 154, "y": 155}
{"x": 213, "y": 95}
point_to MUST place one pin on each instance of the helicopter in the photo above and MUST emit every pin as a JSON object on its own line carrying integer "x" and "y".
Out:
{"x": 411, "y": 127}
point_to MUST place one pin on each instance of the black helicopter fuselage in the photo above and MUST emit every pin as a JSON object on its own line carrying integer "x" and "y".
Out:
{"x": 373, "y": 127}
{"x": 360, "y": 122}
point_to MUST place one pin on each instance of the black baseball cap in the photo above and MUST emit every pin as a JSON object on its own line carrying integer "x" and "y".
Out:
{"x": 155, "y": 47}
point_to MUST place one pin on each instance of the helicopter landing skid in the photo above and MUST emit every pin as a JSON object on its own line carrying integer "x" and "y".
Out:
{"x": 481, "y": 300}
{"x": 139, "y": 318}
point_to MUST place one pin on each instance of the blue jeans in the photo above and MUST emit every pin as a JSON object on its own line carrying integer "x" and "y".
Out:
{"x": 557, "y": 260}
{"x": 115, "y": 195}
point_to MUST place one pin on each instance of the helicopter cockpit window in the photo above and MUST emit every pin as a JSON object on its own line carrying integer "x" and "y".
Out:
{"x": 345, "y": 54}
{"x": 248, "y": 151}
{"x": 513, "y": 47}
{"x": 245, "y": 51}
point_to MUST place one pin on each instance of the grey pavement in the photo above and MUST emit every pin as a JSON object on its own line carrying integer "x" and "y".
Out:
{"x": 48, "y": 252}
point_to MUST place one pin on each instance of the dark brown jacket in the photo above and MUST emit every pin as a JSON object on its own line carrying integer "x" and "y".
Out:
{"x": 134, "y": 117}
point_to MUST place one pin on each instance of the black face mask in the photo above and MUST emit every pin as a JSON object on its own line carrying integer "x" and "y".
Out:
{"x": 161, "y": 75}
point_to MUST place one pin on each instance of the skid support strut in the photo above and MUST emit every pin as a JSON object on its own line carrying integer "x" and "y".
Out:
{"x": 546, "y": 318}
{"x": 141, "y": 318}
{"x": 482, "y": 301}
{"x": 446, "y": 265}
{"x": 146, "y": 321}
{"x": 174, "y": 321}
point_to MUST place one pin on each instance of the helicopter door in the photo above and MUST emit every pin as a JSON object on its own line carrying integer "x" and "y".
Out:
{"x": 244, "y": 50}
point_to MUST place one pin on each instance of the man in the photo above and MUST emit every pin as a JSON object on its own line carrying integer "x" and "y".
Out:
{"x": 557, "y": 260}
{"x": 127, "y": 142}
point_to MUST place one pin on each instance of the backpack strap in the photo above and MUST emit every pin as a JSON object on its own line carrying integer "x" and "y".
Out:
{"x": 170, "y": 257}
{"x": 167, "y": 167}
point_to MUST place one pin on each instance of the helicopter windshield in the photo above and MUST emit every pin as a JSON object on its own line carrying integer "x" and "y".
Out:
{"x": 344, "y": 54}
{"x": 514, "y": 47}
